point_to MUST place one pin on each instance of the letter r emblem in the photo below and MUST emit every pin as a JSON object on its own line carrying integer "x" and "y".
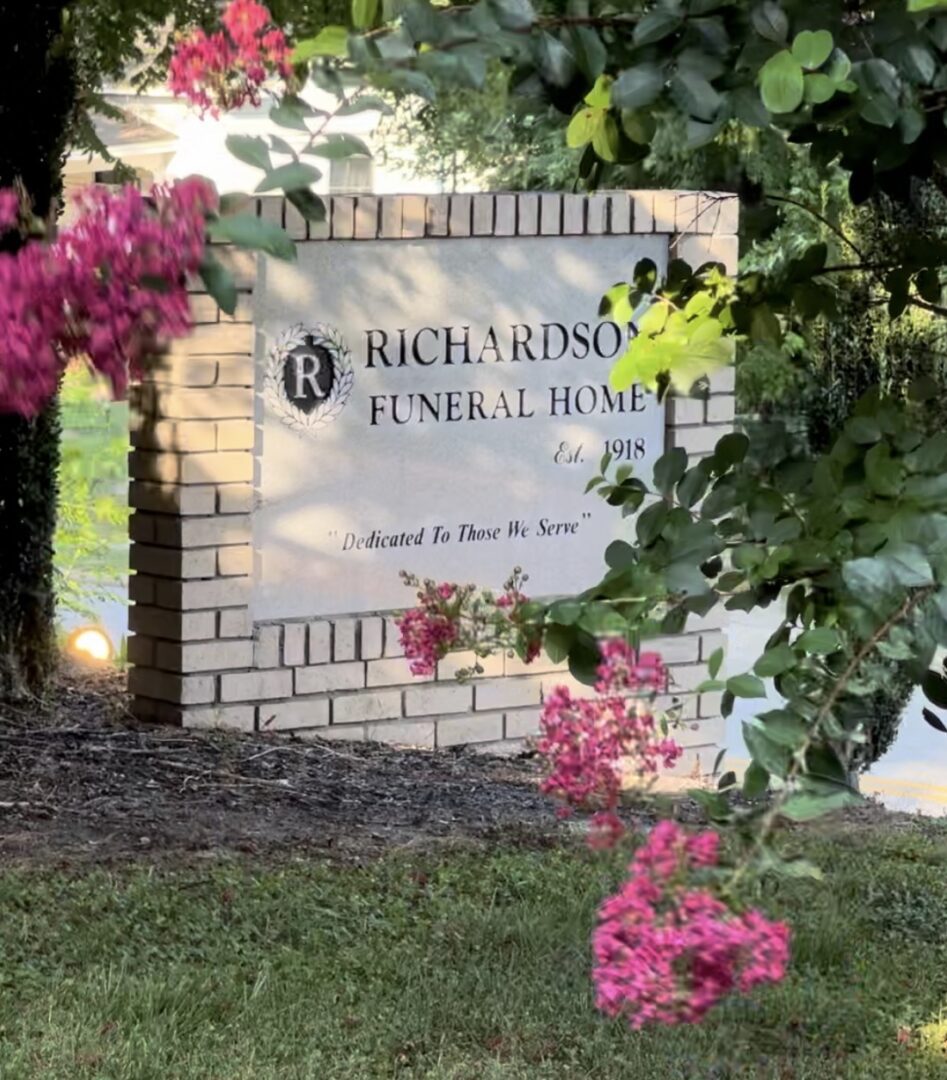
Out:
{"x": 308, "y": 366}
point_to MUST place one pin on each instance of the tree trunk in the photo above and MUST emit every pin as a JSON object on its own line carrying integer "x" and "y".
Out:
{"x": 37, "y": 101}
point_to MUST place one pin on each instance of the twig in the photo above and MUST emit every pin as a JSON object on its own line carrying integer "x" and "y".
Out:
{"x": 831, "y": 226}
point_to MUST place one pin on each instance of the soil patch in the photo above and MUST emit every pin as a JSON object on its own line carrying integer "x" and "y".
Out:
{"x": 79, "y": 779}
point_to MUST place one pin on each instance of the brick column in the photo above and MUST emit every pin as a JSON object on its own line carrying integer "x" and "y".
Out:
{"x": 191, "y": 490}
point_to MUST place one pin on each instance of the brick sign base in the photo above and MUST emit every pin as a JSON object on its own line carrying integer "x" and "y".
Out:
{"x": 197, "y": 656}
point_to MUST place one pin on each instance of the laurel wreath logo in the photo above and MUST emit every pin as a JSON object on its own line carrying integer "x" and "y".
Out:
{"x": 342, "y": 377}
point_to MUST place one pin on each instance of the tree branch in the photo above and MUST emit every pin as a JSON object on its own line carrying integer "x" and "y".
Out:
{"x": 831, "y": 226}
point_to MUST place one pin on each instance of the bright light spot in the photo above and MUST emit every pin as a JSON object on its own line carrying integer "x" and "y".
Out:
{"x": 91, "y": 643}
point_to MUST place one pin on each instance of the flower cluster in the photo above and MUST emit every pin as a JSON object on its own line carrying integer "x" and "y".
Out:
{"x": 450, "y": 617}
{"x": 225, "y": 69}
{"x": 591, "y": 744}
{"x": 666, "y": 953}
{"x": 111, "y": 289}
{"x": 430, "y": 630}
{"x": 9, "y": 209}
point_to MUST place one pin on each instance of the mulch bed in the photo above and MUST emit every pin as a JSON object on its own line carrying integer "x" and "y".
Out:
{"x": 79, "y": 779}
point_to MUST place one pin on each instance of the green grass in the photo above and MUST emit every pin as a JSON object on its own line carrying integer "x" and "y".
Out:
{"x": 450, "y": 965}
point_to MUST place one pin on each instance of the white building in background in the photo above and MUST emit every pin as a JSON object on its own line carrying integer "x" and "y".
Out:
{"x": 164, "y": 138}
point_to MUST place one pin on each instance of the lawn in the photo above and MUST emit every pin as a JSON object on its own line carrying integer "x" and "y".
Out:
{"x": 462, "y": 963}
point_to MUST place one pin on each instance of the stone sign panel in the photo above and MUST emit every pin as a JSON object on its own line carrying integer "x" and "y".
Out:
{"x": 439, "y": 412}
{"x": 424, "y": 388}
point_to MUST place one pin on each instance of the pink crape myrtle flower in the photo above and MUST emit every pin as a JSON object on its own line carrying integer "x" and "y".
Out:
{"x": 9, "y": 209}
{"x": 453, "y": 617}
{"x": 110, "y": 290}
{"x": 589, "y": 743}
{"x": 225, "y": 69}
{"x": 666, "y": 953}
{"x": 426, "y": 636}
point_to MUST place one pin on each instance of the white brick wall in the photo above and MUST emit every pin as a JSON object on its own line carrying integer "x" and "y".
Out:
{"x": 372, "y": 705}
{"x": 432, "y": 700}
{"x": 324, "y": 677}
{"x": 296, "y": 713}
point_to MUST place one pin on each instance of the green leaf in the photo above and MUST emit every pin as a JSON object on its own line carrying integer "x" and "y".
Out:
{"x": 931, "y": 455}
{"x": 934, "y": 721}
{"x": 885, "y": 474}
{"x": 565, "y": 612}
{"x": 291, "y": 177}
{"x": 714, "y": 663}
{"x": 694, "y": 95}
{"x": 655, "y": 26}
{"x": 820, "y": 640}
{"x": 775, "y": 661}
{"x": 818, "y": 88}
{"x": 364, "y": 13}
{"x": 747, "y": 107}
{"x": 770, "y": 21}
{"x": 783, "y": 727}
{"x": 925, "y": 5}
{"x": 553, "y": 60}
{"x": 557, "y": 641}
{"x": 863, "y": 430}
{"x": 812, "y": 48}
{"x": 620, "y": 555}
{"x": 600, "y": 96}
{"x": 755, "y": 780}
{"x": 669, "y": 468}
{"x": 281, "y": 146}
{"x": 310, "y": 206}
{"x": 248, "y": 231}
{"x": 601, "y": 619}
{"x": 713, "y": 803}
{"x": 340, "y": 146}
{"x": 867, "y": 579}
{"x": 806, "y": 806}
{"x": 917, "y": 62}
{"x": 250, "y": 149}
{"x": 650, "y": 523}
{"x": 637, "y": 86}
{"x": 710, "y": 686}
{"x": 692, "y": 486}
{"x": 606, "y": 140}
{"x": 330, "y": 41}
{"x": 907, "y": 564}
{"x": 730, "y": 450}
{"x": 879, "y": 87}
{"x": 219, "y": 283}
{"x": 839, "y": 68}
{"x": 292, "y": 112}
{"x": 640, "y": 126}
{"x": 746, "y": 686}
{"x": 590, "y": 54}
{"x": 781, "y": 83}
{"x": 584, "y": 661}
{"x": 516, "y": 15}
{"x": 769, "y": 755}
{"x": 934, "y": 686}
